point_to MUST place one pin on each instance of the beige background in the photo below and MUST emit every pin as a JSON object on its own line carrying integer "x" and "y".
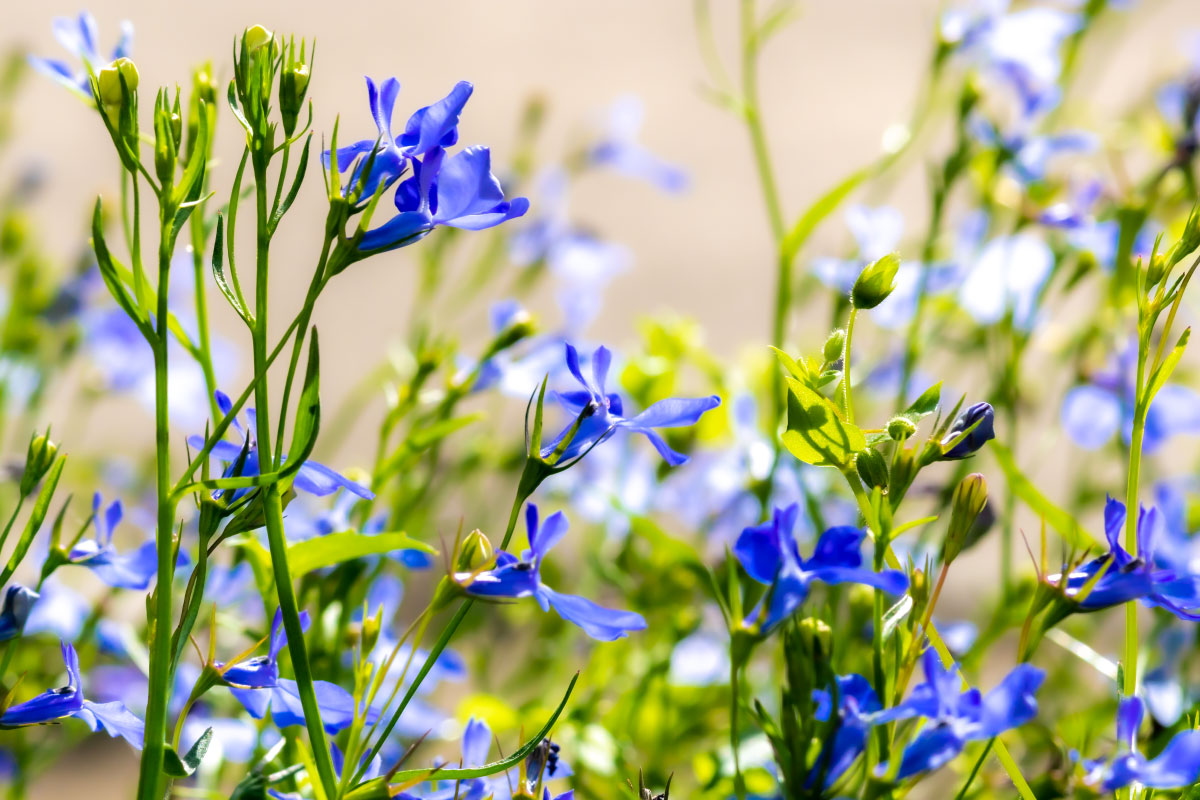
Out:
{"x": 831, "y": 84}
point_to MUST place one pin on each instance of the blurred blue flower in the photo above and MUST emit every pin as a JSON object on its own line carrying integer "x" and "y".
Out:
{"x": 770, "y": 555}
{"x": 1178, "y": 765}
{"x": 18, "y": 602}
{"x": 621, "y": 151}
{"x": 515, "y": 578}
{"x": 335, "y": 704}
{"x": 53, "y": 704}
{"x": 428, "y": 128}
{"x": 129, "y": 571}
{"x": 1007, "y": 277}
{"x": 60, "y": 610}
{"x": 700, "y": 659}
{"x": 79, "y": 37}
{"x": 1028, "y": 154}
{"x": 312, "y": 477}
{"x": 857, "y": 702}
{"x": 1166, "y": 691}
{"x": 1094, "y": 411}
{"x": 958, "y": 716}
{"x": 604, "y": 411}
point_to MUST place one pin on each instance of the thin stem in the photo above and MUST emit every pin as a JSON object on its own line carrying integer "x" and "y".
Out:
{"x": 739, "y": 783}
{"x": 199, "y": 238}
{"x": 846, "y": 397}
{"x": 962, "y": 793}
{"x": 13, "y": 518}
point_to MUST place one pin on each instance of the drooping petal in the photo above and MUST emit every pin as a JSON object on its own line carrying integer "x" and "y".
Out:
{"x": 115, "y": 719}
{"x": 673, "y": 413}
{"x": 320, "y": 480}
{"x": 603, "y": 624}
{"x": 1178, "y": 765}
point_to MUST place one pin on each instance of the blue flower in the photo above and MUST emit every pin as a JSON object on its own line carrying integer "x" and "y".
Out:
{"x": 434, "y": 126}
{"x": 604, "y": 411}
{"x": 130, "y": 571}
{"x": 1093, "y": 412}
{"x": 262, "y": 671}
{"x": 335, "y": 704}
{"x": 458, "y": 191}
{"x": 621, "y": 151}
{"x": 959, "y": 716}
{"x": 1007, "y": 277}
{"x": 857, "y": 702}
{"x": 770, "y": 555}
{"x": 1178, "y": 765}
{"x": 515, "y": 578}
{"x": 60, "y": 610}
{"x": 54, "y": 704}
{"x": 312, "y": 477}
{"x": 18, "y": 602}
{"x": 979, "y": 419}
{"x": 79, "y": 37}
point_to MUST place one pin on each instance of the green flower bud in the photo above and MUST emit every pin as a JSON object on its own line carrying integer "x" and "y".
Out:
{"x": 970, "y": 496}
{"x": 872, "y": 468}
{"x": 815, "y": 637}
{"x": 475, "y": 552}
{"x": 112, "y": 95}
{"x": 918, "y": 590}
{"x": 38, "y": 460}
{"x": 1156, "y": 270}
{"x": 255, "y": 38}
{"x": 832, "y": 350}
{"x": 876, "y": 282}
{"x": 370, "y": 630}
{"x": 900, "y": 428}
{"x": 293, "y": 85}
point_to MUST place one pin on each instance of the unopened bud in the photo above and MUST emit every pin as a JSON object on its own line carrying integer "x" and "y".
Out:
{"x": 255, "y": 38}
{"x": 900, "y": 428}
{"x": 475, "y": 552}
{"x": 815, "y": 637}
{"x": 970, "y": 497}
{"x": 38, "y": 460}
{"x": 979, "y": 419}
{"x": 872, "y": 468}
{"x": 112, "y": 95}
{"x": 832, "y": 351}
{"x": 876, "y": 282}
{"x": 18, "y": 601}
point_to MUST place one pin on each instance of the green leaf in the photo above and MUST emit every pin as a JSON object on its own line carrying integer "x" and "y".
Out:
{"x": 308, "y": 414}
{"x": 815, "y": 433}
{"x": 893, "y": 616}
{"x": 1163, "y": 373}
{"x": 334, "y": 548}
{"x": 297, "y": 180}
{"x": 425, "y": 437}
{"x": 1070, "y": 530}
{"x": 825, "y": 205}
{"x": 110, "y": 273}
{"x": 177, "y": 767}
{"x": 218, "y": 270}
{"x": 41, "y": 507}
{"x": 796, "y": 368}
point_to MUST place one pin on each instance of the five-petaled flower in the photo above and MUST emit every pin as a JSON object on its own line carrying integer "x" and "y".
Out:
{"x": 129, "y": 571}
{"x": 602, "y": 412}
{"x": 770, "y": 555}
{"x": 1178, "y": 764}
{"x": 513, "y": 577}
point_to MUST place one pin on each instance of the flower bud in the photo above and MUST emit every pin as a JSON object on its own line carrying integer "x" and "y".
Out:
{"x": 371, "y": 627}
{"x": 900, "y": 428}
{"x": 293, "y": 85}
{"x": 255, "y": 38}
{"x": 832, "y": 351}
{"x": 815, "y": 637}
{"x": 1156, "y": 270}
{"x": 970, "y": 497}
{"x": 872, "y": 468}
{"x": 876, "y": 282}
{"x": 18, "y": 601}
{"x": 38, "y": 460}
{"x": 979, "y": 420}
{"x": 918, "y": 590}
{"x": 475, "y": 552}
{"x": 112, "y": 93}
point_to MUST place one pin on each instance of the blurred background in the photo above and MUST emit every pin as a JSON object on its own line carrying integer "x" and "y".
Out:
{"x": 833, "y": 83}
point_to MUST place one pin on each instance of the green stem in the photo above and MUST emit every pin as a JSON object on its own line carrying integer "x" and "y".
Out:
{"x": 735, "y": 692}
{"x": 199, "y": 238}
{"x": 151, "y": 777}
{"x": 13, "y": 518}
{"x": 962, "y": 793}
{"x": 846, "y": 397}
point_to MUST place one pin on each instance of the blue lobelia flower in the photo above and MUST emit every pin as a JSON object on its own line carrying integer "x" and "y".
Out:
{"x": 515, "y": 578}
{"x": 18, "y": 602}
{"x": 263, "y": 671}
{"x": 604, "y": 411}
{"x": 79, "y": 36}
{"x": 770, "y": 555}
{"x": 857, "y": 702}
{"x": 979, "y": 419}
{"x": 1007, "y": 277}
{"x": 54, "y": 704}
{"x": 959, "y": 716}
{"x": 433, "y": 126}
{"x": 312, "y": 477}
{"x": 129, "y": 571}
{"x": 60, "y": 610}
{"x": 621, "y": 151}
{"x": 1093, "y": 412}
{"x": 1178, "y": 765}
{"x": 457, "y": 191}
{"x": 1155, "y": 579}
